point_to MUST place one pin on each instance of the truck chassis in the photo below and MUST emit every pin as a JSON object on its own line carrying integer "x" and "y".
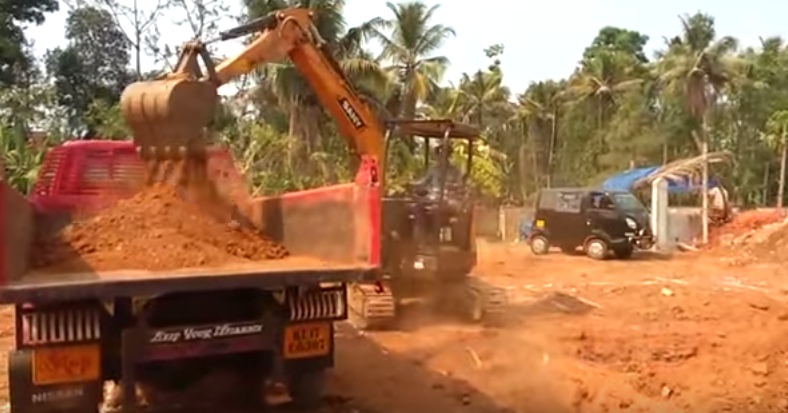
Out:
{"x": 67, "y": 350}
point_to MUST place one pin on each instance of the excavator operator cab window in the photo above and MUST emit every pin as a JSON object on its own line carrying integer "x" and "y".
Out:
{"x": 437, "y": 142}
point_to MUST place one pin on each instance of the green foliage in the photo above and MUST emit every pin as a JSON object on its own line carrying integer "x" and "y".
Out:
{"x": 615, "y": 110}
{"x": 485, "y": 175}
{"x": 15, "y": 60}
{"x": 628, "y": 43}
{"x": 21, "y": 158}
{"x": 106, "y": 121}
{"x": 92, "y": 67}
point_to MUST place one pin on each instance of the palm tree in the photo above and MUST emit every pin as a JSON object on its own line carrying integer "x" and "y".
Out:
{"x": 601, "y": 79}
{"x": 481, "y": 93}
{"x": 444, "y": 103}
{"x": 345, "y": 45}
{"x": 409, "y": 40}
{"x": 696, "y": 65}
{"x": 538, "y": 109}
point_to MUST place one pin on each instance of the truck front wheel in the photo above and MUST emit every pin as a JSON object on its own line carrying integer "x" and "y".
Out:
{"x": 623, "y": 252}
{"x": 597, "y": 249}
{"x": 306, "y": 388}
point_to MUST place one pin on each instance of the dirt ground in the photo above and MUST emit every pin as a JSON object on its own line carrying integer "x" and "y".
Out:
{"x": 675, "y": 334}
{"x": 686, "y": 333}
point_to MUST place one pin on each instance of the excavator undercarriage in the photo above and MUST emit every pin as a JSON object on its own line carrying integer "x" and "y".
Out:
{"x": 428, "y": 243}
{"x": 380, "y": 306}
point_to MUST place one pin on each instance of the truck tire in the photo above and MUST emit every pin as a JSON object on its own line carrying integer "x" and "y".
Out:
{"x": 597, "y": 249}
{"x": 306, "y": 388}
{"x": 623, "y": 252}
{"x": 540, "y": 245}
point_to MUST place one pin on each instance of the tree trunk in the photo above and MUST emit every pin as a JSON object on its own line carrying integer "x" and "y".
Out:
{"x": 292, "y": 132}
{"x": 765, "y": 192}
{"x": 551, "y": 152}
{"x": 137, "y": 42}
{"x": 781, "y": 188}
{"x": 522, "y": 170}
{"x": 665, "y": 152}
{"x": 705, "y": 178}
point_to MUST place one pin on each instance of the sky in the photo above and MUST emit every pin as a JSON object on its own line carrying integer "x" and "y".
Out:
{"x": 542, "y": 39}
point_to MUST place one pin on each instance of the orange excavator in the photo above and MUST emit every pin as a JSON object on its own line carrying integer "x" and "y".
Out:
{"x": 271, "y": 322}
{"x": 170, "y": 117}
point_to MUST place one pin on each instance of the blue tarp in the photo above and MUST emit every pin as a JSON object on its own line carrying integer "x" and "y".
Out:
{"x": 624, "y": 181}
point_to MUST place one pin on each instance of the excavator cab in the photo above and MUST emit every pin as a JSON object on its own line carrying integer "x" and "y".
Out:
{"x": 428, "y": 240}
{"x": 439, "y": 202}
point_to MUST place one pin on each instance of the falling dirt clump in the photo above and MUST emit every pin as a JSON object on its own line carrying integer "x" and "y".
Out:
{"x": 154, "y": 230}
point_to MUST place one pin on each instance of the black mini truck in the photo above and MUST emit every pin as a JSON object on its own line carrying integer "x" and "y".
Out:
{"x": 266, "y": 322}
{"x": 598, "y": 221}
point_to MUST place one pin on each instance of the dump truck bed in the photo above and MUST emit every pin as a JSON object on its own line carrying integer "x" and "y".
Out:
{"x": 331, "y": 234}
{"x": 272, "y": 274}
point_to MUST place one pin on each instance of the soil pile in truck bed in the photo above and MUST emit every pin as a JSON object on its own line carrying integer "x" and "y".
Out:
{"x": 154, "y": 230}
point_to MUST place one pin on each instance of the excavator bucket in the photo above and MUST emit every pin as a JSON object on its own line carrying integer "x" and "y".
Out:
{"x": 169, "y": 118}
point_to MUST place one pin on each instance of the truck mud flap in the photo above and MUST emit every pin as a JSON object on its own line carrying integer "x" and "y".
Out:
{"x": 28, "y": 397}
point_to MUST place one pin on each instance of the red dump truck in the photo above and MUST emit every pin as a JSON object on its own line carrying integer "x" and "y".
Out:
{"x": 77, "y": 331}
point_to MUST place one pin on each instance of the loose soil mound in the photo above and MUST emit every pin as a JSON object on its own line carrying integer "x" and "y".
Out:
{"x": 772, "y": 245}
{"x": 741, "y": 225}
{"x": 154, "y": 230}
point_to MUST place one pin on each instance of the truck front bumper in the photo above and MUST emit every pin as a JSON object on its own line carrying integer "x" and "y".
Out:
{"x": 641, "y": 239}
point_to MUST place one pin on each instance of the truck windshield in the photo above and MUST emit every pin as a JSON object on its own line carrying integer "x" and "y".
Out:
{"x": 627, "y": 202}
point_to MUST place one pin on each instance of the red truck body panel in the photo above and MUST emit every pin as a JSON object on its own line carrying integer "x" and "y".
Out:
{"x": 339, "y": 223}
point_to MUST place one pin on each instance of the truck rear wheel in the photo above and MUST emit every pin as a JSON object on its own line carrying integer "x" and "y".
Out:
{"x": 306, "y": 388}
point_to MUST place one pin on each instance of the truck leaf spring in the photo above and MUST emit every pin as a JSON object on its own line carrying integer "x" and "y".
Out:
{"x": 62, "y": 326}
{"x": 316, "y": 306}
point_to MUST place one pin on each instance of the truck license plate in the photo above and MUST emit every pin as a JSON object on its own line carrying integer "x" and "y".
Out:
{"x": 307, "y": 340}
{"x": 53, "y": 365}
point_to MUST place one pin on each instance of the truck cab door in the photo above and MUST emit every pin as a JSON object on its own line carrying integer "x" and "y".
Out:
{"x": 566, "y": 224}
{"x": 602, "y": 216}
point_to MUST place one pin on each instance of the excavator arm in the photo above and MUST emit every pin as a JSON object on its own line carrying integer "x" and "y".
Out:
{"x": 170, "y": 116}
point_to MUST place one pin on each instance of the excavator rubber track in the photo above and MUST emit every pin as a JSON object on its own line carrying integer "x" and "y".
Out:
{"x": 372, "y": 306}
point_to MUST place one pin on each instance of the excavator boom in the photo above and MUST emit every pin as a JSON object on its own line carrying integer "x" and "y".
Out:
{"x": 170, "y": 116}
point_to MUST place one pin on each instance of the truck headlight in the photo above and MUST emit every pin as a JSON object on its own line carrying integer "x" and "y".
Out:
{"x": 631, "y": 223}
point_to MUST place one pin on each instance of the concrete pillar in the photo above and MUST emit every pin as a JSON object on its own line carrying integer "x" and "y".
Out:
{"x": 659, "y": 214}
